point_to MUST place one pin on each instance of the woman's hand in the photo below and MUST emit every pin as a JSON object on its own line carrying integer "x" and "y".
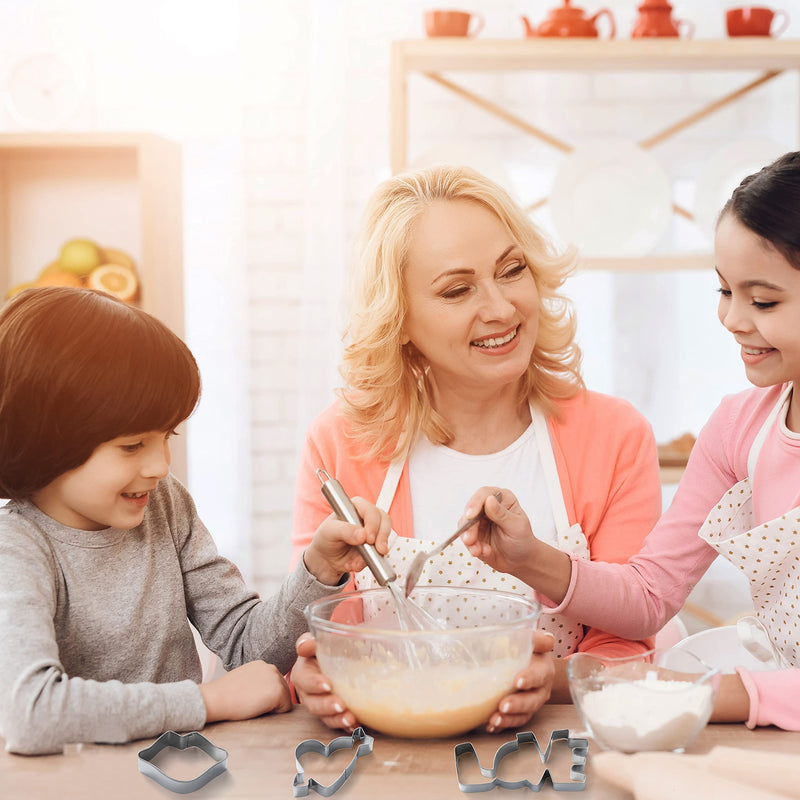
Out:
{"x": 533, "y": 686}
{"x": 333, "y": 552}
{"x": 314, "y": 690}
{"x": 248, "y": 691}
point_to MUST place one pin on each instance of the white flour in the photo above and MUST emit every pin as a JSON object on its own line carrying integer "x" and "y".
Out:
{"x": 647, "y": 714}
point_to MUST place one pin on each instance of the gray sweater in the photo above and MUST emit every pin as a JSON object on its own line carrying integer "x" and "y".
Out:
{"x": 95, "y": 643}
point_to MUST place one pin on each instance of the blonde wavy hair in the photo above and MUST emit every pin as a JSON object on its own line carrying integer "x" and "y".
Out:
{"x": 387, "y": 398}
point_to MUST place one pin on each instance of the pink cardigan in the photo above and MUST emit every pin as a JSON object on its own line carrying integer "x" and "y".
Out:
{"x": 607, "y": 463}
{"x": 636, "y": 599}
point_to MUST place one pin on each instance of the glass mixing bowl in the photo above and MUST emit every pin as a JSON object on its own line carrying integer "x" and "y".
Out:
{"x": 441, "y": 681}
{"x": 659, "y": 700}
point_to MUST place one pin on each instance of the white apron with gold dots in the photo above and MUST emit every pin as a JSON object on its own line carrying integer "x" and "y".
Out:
{"x": 456, "y": 566}
{"x": 768, "y": 554}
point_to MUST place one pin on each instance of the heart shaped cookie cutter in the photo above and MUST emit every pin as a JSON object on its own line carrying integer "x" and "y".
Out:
{"x": 577, "y": 774}
{"x": 182, "y": 742}
{"x": 359, "y": 737}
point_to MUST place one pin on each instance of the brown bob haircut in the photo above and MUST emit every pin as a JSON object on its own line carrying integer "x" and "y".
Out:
{"x": 79, "y": 368}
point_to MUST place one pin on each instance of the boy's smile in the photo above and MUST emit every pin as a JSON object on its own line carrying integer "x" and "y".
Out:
{"x": 112, "y": 488}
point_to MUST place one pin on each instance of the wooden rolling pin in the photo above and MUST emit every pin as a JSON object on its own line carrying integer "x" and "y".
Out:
{"x": 734, "y": 771}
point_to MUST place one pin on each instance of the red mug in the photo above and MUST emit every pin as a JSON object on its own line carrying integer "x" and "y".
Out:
{"x": 755, "y": 21}
{"x": 452, "y": 23}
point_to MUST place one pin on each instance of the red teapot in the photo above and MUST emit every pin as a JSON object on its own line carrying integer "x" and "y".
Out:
{"x": 570, "y": 21}
{"x": 655, "y": 19}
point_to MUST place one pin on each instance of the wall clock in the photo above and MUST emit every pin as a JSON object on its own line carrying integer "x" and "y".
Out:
{"x": 42, "y": 92}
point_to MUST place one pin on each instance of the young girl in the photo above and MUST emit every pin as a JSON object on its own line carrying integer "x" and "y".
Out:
{"x": 741, "y": 489}
{"x": 103, "y": 560}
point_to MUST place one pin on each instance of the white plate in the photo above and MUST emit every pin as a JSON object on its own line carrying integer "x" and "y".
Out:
{"x": 611, "y": 198}
{"x": 724, "y": 171}
{"x": 721, "y": 648}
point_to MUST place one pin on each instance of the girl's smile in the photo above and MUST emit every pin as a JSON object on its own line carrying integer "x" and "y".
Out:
{"x": 754, "y": 355}
{"x": 759, "y": 303}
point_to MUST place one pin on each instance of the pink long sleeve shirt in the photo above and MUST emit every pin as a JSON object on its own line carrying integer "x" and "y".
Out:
{"x": 607, "y": 465}
{"x": 635, "y": 599}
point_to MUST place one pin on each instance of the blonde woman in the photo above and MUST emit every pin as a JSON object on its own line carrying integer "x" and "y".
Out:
{"x": 461, "y": 370}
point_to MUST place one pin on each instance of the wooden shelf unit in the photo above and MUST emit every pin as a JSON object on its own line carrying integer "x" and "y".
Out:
{"x": 122, "y": 190}
{"x": 432, "y": 57}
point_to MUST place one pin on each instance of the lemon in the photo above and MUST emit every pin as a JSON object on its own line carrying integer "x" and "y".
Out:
{"x": 114, "y": 279}
{"x": 79, "y": 256}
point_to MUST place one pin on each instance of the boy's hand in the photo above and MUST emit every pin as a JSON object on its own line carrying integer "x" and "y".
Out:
{"x": 333, "y": 552}
{"x": 314, "y": 690}
{"x": 533, "y": 685}
{"x": 248, "y": 691}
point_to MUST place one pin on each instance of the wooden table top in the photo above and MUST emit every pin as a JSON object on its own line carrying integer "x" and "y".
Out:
{"x": 261, "y": 763}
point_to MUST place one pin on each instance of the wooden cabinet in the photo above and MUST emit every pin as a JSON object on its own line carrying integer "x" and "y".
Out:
{"x": 432, "y": 57}
{"x": 122, "y": 190}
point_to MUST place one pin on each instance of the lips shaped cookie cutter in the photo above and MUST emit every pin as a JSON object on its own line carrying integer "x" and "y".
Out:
{"x": 182, "y": 742}
{"x": 359, "y": 737}
{"x": 577, "y": 782}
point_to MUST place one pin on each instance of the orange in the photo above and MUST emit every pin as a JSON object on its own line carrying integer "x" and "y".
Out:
{"x": 19, "y": 287}
{"x": 114, "y": 279}
{"x": 113, "y": 256}
{"x": 59, "y": 278}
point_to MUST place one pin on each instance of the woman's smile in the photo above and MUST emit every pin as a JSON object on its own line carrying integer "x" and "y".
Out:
{"x": 467, "y": 281}
{"x": 498, "y": 343}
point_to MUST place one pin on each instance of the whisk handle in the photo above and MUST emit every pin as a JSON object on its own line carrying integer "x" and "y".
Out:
{"x": 344, "y": 509}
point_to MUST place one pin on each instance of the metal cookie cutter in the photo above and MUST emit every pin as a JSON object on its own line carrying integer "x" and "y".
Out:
{"x": 359, "y": 737}
{"x": 182, "y": 742}
{"x": 577, "y": 782}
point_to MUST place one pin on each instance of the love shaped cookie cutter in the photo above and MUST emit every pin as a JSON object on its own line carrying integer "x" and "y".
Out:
{"x": 577, "y": 782}
{"x": 182, "y": 742}
{"x": 301, "y": 788}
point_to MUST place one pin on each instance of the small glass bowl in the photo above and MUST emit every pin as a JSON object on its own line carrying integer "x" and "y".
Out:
{"x": 659, "y": 700}
{"x": 443, "y": 681}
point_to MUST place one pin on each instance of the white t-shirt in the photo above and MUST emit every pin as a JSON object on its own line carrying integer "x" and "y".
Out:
{"x": 442, "y": 480}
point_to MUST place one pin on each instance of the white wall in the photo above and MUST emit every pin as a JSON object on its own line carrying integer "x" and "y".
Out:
{"x": 283, "y": 109}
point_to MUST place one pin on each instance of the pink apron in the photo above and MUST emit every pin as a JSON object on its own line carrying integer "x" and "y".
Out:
{"x": 456, "y": 567}
{"x": 769, "y": 555}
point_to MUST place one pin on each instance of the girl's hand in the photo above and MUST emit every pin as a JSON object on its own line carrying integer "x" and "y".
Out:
{"x": 503, "y": 538}
{"x": 314, "y": 690}
{"x": 533, "y": 685}
{"x": 505, "y": 541}
{"x": 248, "y": 691}
{"x": 333, "y": 552}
